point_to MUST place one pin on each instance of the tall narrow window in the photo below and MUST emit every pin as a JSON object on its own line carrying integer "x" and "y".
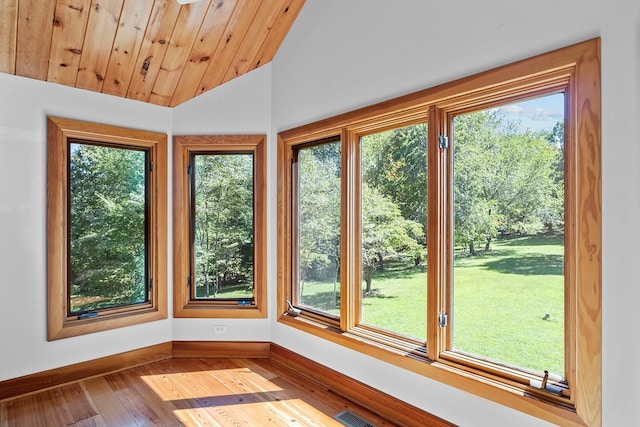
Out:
{"x": 317, "y": 173}
{"x": 222, "y": 227}
{"x": 109, "y": 215}
{"x": 508, "y": 235}
{"x": 393, "y": 228}
{"x": 106, "y": 229}
{"x": 219, "y": 226}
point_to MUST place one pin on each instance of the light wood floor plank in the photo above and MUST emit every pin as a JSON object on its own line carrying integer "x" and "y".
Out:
{"x": 137, "y": 407}
{"x": 106, "y": 403}
{"x": 77, "y": 403}
{"x": 55, "y": 409}
{"x": 164, "y": 412}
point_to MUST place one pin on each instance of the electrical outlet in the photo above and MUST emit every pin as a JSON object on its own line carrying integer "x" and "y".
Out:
{"x": 219, "y": 329}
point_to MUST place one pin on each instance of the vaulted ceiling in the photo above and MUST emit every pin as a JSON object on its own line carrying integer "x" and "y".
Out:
{"x": 155, "y": 51}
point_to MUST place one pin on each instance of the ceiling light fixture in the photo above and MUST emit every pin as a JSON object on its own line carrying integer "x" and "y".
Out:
{"x": 187, "y": 1}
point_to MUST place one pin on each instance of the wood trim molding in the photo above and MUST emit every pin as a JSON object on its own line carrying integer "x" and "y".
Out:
{"x": 386, "y": 406}
{"x": 221, "y": 349}
{"x": 41, "y": 381}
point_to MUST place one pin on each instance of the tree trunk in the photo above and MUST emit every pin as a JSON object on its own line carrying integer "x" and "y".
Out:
{"x": 381, "y": 262}
{"x": 472, "y": 249}
{"x": 368, "y": 275}
{"x": 488, "y": 244}
{"x": 368, "y": 282}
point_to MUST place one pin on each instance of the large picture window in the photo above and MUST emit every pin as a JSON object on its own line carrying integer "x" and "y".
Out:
{"x": 456, "y": 232}
{"x": 106, "y": 227}
{"x": 219, "y": 201}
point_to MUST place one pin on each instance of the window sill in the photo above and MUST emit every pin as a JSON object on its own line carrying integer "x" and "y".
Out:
{"x": 203, "y": 309}
{"x": 72, "y": 327}
{"x": 211, "y": 311}
{"x": 559, "y": 410}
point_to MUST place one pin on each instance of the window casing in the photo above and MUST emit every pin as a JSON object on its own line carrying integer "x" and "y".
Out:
{"x": 572, "y": 71}
{"x": 104, "y": 246}
{"x": 200, "y": 288}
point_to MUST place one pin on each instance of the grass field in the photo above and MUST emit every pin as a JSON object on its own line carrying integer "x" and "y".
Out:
{"x": 501, "y": 302}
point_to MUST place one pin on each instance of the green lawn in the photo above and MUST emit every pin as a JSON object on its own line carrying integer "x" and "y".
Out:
{"x": 500, "y": 300}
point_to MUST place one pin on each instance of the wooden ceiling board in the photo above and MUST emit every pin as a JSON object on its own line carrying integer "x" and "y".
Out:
{"x": 277, "y": 33}
{"x": 204, "y": 48}
{"x": 69, "y": 26}
{"x": 266, "y": 16}
{"x": 240, "y": 21}
{"x": 34, "y": 38}
{"x": 101, "y": 31}
{"x": 8, "y": 36}
{"x": 182, "y": 39}
{"x": 133, "y": 21}
{"x": 155, "y": 51}
{"x": 154, "y": 46}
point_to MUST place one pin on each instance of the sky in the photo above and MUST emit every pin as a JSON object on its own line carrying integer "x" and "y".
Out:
{"x": 537, "y": 114}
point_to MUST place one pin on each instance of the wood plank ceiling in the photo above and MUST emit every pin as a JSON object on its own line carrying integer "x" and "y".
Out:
{"x": 155, "y": 51}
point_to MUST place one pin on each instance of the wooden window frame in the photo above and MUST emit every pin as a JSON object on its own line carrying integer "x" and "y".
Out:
{"x": 60, "y": 131}
{"x": 183, "y": 146}
{"x": 574, "y": 70}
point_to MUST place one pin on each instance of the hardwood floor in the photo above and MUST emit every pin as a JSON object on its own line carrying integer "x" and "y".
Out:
{"x": 185, "y": 392}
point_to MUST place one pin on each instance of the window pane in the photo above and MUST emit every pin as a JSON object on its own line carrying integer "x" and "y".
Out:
{"x": 223, "y": 226}
{"x": 318, "y": 215}
{"x": 108, "y": 234}
{"x": 394, "y": 217}
{"x": 508, "y": 293}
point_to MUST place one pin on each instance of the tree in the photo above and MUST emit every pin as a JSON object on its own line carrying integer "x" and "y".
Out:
{"x": 504, "y": 179}
{"x": 395, "y": 163}
{"x": 108, "y": 225}
{"x": 555, "y": 217}
{"x": 319, "y": 214}
{"x": 223, "y": 226}
{"x": 385, "y": 232}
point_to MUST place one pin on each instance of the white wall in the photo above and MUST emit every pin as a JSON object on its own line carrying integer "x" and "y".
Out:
{"x": 24, "y": 106}
{"x": 342, "y": 55}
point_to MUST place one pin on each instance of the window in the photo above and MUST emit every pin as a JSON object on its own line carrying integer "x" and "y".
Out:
{"x": 219, "y": 226}
{"x": 393, "y": 217}
{"x": 106, "y": 227}
{"x": 318, "y": 227}
{"x": 507, "y": 284}
{"x": 456, "y": 232}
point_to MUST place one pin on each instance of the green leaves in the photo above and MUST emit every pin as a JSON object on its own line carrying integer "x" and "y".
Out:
{"x": 108, "y": 226}
{"x": 505, "y": 180}
{"x": 223, "y": 228}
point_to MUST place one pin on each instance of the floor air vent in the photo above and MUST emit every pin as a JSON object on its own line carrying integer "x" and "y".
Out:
{"x": 352, "y": 420}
